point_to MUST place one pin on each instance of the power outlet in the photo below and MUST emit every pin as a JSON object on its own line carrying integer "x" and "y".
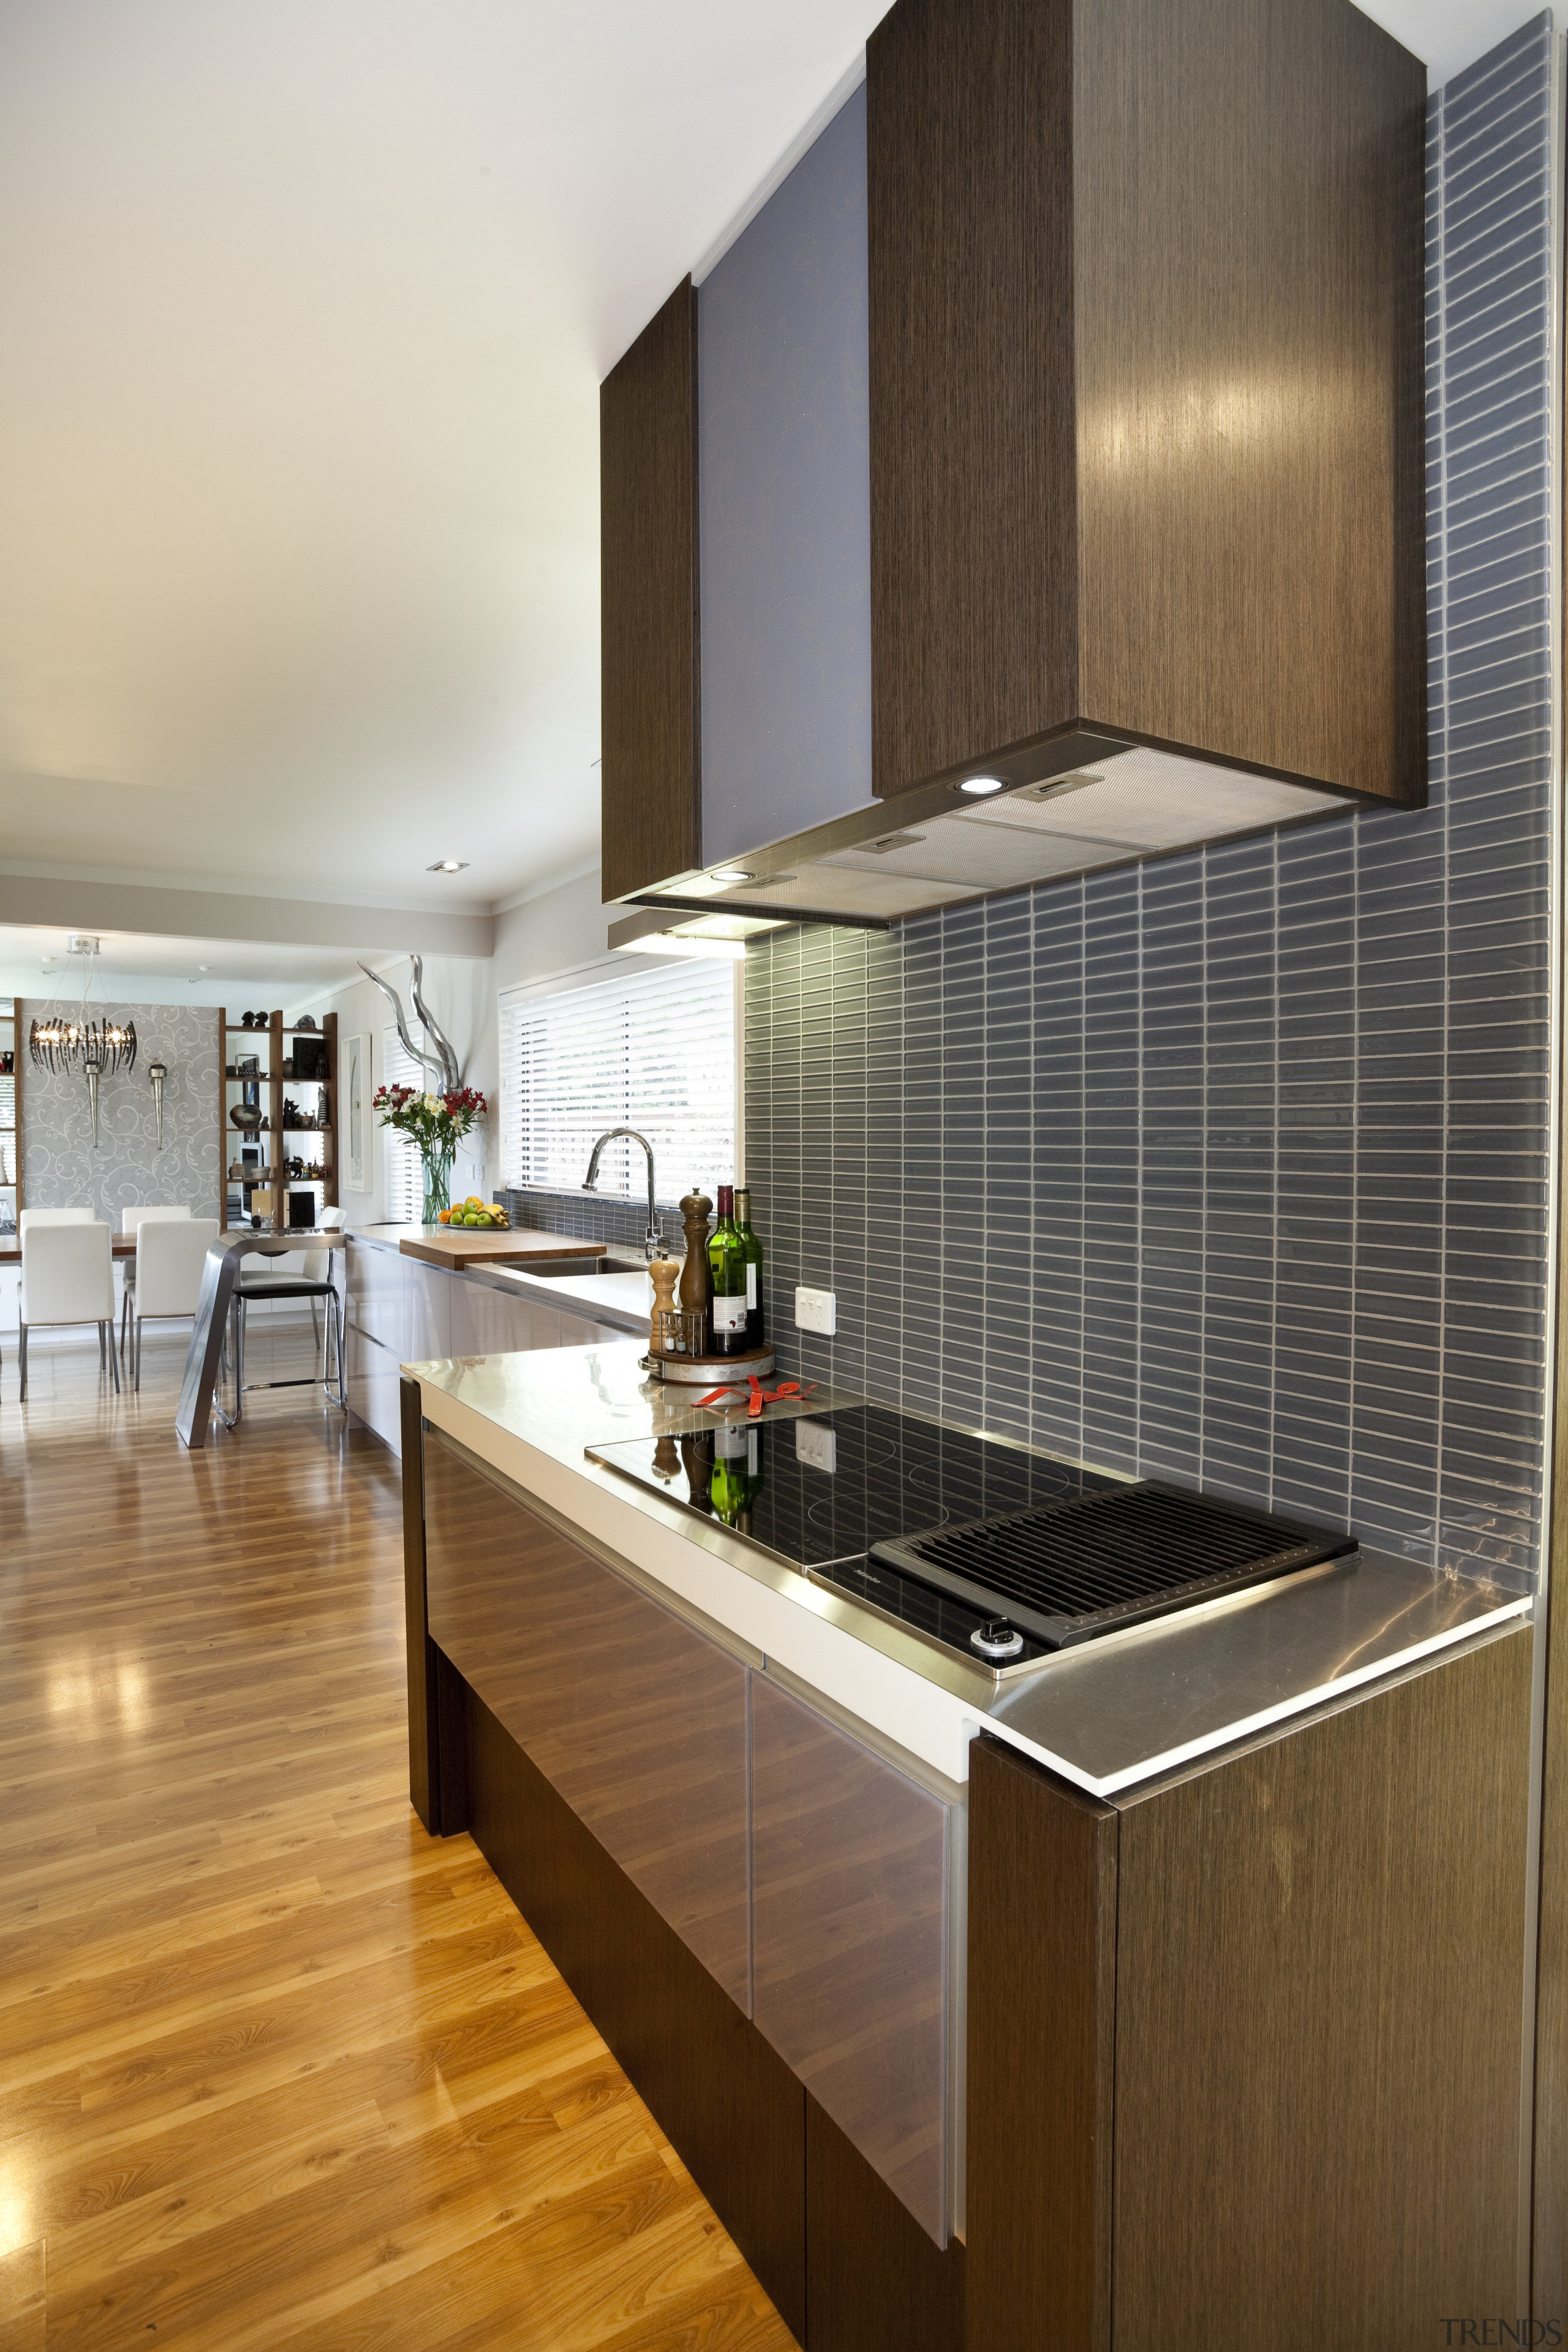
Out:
{"x": 816, "y": 1310}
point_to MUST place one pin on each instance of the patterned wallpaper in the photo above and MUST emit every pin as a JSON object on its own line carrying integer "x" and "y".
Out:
{"x": 60, "y": 1170}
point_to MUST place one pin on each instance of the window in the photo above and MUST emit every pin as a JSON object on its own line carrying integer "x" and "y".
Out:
{"x": 404, "y": 1177}
{"x": 655, "y": 1051}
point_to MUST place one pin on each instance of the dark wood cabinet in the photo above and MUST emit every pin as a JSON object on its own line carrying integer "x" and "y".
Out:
{"x": 851, "y": 1862}
{"x": 633, "y": 1717}
{"x": 1146, "y": 306}
{"x": 1272, "y": 2013}
{"x": 1120, "y": 450}
{"x": 651, "y": 746}
{"x": 1244, "y": 2047}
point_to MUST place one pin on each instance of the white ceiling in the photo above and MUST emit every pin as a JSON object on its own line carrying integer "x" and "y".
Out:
{"x": 303, "y": 309}
{"x": 144, "y": 967}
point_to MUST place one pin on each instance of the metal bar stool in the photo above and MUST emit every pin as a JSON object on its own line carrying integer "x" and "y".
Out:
{"x": 314, "y": 1283}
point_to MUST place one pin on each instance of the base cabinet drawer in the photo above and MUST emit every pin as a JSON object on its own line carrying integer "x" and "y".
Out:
{"x": 851, "y": 1865}
{"x": 373, "y": 1380}
{"x": 636, "y": 1719}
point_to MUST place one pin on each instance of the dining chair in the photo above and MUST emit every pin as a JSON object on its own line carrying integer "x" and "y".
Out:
{"x": 132, "y": 1220}
{"x": 170, "y": 1251}
{"x": 68, "y": 1277}
{"x": 31, "y": 1217}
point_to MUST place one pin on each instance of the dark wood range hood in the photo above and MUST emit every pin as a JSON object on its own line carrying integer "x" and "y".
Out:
{"x": 1142, "y": 420}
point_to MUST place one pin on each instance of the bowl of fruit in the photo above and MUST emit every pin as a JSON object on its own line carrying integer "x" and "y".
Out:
{"x": 477, "y": 1216}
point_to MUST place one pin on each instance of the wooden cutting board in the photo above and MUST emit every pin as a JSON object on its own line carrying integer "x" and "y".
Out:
{"x": 439, "y": 1245}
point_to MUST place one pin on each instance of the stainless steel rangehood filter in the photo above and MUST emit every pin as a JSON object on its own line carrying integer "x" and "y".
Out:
{"x": 1097, "y": 804}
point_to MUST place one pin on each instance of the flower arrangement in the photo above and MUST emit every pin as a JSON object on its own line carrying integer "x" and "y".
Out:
{"x": 437, "y": 1123}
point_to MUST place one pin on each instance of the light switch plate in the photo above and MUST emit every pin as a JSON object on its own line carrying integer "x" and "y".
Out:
{"x": 816, "y": 1446}
{"x": 816, "y": 1310}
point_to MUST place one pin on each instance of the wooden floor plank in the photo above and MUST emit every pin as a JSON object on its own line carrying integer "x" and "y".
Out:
{"x": 276, "y": 2068}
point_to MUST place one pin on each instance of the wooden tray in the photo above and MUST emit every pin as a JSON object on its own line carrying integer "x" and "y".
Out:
{"x": 439, "y": 1245}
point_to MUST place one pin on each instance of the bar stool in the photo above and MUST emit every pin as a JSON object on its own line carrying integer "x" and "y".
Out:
{"x": 313, "y": 1283}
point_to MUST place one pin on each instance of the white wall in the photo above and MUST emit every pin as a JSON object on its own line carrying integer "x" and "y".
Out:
{"x": 558, "y": 931}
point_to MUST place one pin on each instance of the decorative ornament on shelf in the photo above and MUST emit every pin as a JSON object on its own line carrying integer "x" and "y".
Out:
{"x": 437, "y": 1124}
{"x": 74, "y": 1043}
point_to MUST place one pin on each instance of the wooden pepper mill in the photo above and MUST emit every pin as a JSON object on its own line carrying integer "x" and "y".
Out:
{"x": 664, "y": 1273}
{"x": 696, "y": 1282}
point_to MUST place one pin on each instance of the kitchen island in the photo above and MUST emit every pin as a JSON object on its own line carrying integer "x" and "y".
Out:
{"x": 985, "y": 2006}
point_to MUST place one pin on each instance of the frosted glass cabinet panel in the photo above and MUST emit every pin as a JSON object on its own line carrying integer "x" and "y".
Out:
{"x": 849, "y": 1865}
{"x": 634, "y": 1717}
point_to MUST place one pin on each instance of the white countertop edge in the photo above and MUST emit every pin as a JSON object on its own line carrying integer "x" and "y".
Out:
{"x": 1148, "y": 1768}
{"x": 916, "y": 1714}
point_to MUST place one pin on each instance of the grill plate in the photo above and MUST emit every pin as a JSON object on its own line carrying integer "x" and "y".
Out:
{"x": 1066, "y": 1571}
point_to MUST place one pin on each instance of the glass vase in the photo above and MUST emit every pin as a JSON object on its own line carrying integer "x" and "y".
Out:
{"x": 437, "y": 1167}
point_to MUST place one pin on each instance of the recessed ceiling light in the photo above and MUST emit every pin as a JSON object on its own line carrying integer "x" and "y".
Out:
{"x": 449, "y": 866}
{"x": 731, "y": 874}
{"x": 982, "y": 784}
{"x": 203, "y": 966}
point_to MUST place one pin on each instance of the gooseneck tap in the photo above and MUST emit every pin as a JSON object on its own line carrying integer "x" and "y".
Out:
{"x": 653, "y": 1245}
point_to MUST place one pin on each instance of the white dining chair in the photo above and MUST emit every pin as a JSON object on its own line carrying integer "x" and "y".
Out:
{"x": 132, "y": 1221}
{"x": 170, "y": 1254}
{"x": 68, "y": 1277}
{"x": 31, "y": 1217}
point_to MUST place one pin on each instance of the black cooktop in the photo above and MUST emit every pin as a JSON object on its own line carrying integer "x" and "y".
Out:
{"x": 1001, "y": 1555}
{"x": 820, "y": 1491}
{"x": 829, "y": 1486}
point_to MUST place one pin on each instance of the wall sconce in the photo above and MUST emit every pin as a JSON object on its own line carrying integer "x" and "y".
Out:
{"x": 95, "y": 1059}
{"x": 158, "y": 1072}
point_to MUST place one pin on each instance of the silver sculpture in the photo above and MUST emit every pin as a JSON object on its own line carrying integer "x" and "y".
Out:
{"x": 442, "y": 1064}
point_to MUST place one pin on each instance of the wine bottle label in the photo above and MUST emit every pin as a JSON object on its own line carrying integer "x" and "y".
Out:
{"x": 728, "y": 1316}
{"x": 752, "y": 1285}
{"x": 730, "y": 1445}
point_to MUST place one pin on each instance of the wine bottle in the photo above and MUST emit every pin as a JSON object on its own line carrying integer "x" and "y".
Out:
{"x": 727, "y": 1270}
{"x": 737, "y": 1473}
{"x": 755, "y": 1333}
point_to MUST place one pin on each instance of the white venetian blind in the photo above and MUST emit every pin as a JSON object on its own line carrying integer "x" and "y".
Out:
{"x": 403, "y": 1177}
{"x": 655, "y": 1051}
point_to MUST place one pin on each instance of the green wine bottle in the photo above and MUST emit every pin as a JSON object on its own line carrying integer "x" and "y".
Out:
{"x": 755, "y": 1330}
{"x": 727, "y": 1266}
{"x": 737, "y": 1473}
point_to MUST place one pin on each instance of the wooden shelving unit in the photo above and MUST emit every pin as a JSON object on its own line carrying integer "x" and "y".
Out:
{"x": 271, "y": 1184}
{"x": 10, "y": 1118}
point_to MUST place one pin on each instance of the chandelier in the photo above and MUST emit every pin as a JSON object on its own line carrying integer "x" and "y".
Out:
{"x": 75, "y": 1041}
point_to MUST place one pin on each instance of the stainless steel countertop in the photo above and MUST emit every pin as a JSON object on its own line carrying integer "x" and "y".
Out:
{"x": 1107, "y": 1717}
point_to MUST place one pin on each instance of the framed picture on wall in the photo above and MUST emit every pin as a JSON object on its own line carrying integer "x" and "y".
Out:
{"x": 356, "y": 1093}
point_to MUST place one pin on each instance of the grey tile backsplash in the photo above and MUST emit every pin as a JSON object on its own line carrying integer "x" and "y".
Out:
{"x": 585, "y": 1218}
{"x": 1233, "y": 1167}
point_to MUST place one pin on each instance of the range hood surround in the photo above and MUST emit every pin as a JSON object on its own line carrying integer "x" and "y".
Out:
{"x": 1080, "y": 803}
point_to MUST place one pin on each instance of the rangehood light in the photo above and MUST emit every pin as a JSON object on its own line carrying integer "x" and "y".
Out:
{"x": 667, "y": 943}
{"x": 728, "y": 874}
{"x": 982, "y": 784}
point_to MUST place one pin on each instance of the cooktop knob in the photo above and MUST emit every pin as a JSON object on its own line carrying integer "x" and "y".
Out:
{"x": 996, "y": 1639}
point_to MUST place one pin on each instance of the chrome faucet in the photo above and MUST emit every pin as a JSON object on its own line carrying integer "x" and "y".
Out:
{"x": 653, "y": 1245}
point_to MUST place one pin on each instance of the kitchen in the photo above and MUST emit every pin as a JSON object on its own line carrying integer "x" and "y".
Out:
{"x": 1223, "y": 1171}
{"x": 1158, "y": 1103}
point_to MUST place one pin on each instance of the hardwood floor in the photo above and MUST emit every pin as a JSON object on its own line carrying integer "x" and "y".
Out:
{"x": 276, "y": 2068}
